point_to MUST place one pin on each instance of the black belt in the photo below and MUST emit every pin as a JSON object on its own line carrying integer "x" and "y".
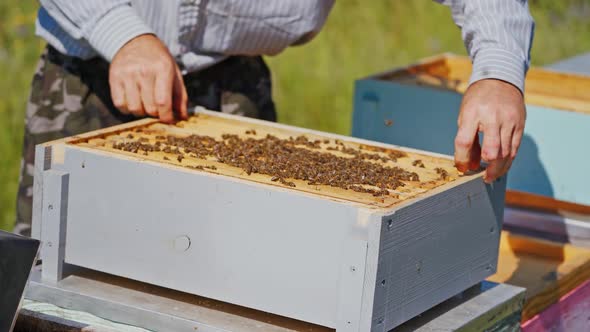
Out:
{"x": 76, "y": 65}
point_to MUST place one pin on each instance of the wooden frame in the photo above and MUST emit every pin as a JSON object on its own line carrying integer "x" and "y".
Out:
{"x": 336, "y": 258}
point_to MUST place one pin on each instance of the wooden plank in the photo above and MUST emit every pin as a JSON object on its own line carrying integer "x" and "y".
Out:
{"x": 159, "y": 309}
{"x": 485, "y": 307}
{"x": 561, "y": 227}
{"x": 155, "y": 308}
{"x": 454, "y": 73}
{"x": 546, "y": 269}
{"x": 46, "y": 317}
{"x": 42, "y": 163}
{"x": 370, "y": 278}
{"x": 570, "y": 313}
{"x": 532, "y": 201}
{"x": 441, "y": 227}
{"x": 55, "y": 199}
{"x": 31, "y": 321}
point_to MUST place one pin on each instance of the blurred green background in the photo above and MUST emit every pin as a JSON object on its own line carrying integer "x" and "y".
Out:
{"x": 313, "y": 84}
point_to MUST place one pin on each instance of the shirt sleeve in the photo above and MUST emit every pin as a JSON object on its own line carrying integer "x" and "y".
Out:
{"x": 498, "y": 35}
{"x": 105, "y": 24}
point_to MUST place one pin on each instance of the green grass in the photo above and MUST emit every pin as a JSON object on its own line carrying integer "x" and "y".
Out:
{"x": 19, "y": 51}
{"x": 313, "y": 84}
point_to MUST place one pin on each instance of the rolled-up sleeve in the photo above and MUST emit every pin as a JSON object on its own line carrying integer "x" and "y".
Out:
{"x": 498, "y": 35}
{"x": 105, "y": 25}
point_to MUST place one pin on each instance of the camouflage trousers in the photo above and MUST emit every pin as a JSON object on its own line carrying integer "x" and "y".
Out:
{"x": 71, "y": 96}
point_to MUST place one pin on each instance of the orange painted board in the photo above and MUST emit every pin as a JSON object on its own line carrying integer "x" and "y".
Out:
{"x": 546, "y": 269}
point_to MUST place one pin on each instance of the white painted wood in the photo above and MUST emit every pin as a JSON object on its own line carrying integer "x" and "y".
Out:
{"x": 430, "y": 250}
{"x": 566, "y": 227}
{"x": 275, "y": 250}
{"x": 296, "y": 254}
{"x": 54, "y": 214}
{"x": 42, "y": 163}
{"x": 369, "y": 291}
{"x": 352, "y": 274}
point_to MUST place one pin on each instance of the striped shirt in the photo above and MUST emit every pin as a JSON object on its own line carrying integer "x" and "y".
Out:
{"x": 497, "y": 33}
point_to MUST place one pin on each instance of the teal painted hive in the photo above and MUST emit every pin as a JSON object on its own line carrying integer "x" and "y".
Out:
{"x": 417, "y": 106}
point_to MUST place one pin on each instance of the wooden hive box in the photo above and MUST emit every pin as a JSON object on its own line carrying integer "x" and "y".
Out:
{"x": 332, "y": 250}
{"x": 417, "y": 106}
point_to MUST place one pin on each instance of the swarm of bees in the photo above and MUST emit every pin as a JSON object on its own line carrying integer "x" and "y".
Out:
{"x": 297, "y": 158}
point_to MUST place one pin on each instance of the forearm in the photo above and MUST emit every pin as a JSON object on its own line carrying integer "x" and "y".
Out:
{"x": 106, "y": 25}
{"x": 498, "y": 36}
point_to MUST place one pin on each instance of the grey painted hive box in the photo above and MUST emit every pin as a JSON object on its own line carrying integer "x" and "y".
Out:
{"x": 337, "y": 257}
{"x": 417, "y": 106}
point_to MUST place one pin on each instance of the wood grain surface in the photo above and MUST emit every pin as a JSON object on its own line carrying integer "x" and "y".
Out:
{"x": 546, "y": 269}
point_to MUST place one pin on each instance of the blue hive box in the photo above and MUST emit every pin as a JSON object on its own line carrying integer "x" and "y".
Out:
{"x": 417, "y": 106}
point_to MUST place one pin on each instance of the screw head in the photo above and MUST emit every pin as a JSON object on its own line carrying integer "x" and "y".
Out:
{"x": 419, "y": 266}
{"x": 353, "y": 269}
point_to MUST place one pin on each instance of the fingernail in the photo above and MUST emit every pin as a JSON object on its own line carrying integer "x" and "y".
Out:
{"x": 462, "y": 167}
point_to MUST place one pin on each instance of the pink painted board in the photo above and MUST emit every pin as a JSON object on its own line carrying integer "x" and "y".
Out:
{"x": 571, "y": 313}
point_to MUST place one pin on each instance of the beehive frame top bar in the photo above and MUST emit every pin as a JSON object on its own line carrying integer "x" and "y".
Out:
{"x": 432, "y": 170}
{"x": 543, "y": 87}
